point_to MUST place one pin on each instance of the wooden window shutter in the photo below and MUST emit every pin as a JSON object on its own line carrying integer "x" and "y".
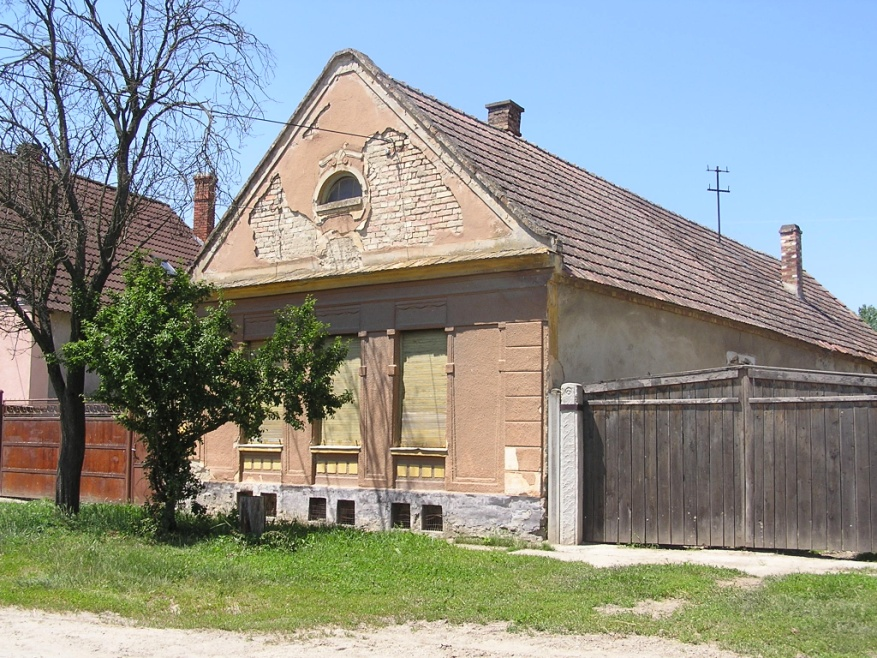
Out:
{"x": 423, "y": 356}
{"x": 342, "y": 429}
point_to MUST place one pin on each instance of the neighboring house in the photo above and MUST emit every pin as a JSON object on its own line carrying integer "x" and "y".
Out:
{"x": 156, "y": 229}
{"x": 473, "y": 272}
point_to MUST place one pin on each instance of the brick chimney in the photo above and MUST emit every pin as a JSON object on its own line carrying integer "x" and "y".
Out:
{"x": 505, "y": 115}
{"x": 204, "y": 216}
{"x": 791, "y": 268}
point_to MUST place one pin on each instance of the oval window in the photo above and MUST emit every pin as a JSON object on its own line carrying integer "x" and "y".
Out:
{"x": 345, "y": 187}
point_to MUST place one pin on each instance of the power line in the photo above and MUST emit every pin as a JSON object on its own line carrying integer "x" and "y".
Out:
{"x": 233, "y": 115}
{"x": 300, "y": 125}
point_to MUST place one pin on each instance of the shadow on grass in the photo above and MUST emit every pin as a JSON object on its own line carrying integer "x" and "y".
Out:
{"x": 279, "y": 534}
{"x": 102, "y": 519}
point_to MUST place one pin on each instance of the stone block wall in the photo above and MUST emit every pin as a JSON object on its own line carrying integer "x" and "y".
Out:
{"x": 462, "y": 514}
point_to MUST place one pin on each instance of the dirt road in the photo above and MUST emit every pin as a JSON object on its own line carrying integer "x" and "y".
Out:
{"x": 33, "y": 634}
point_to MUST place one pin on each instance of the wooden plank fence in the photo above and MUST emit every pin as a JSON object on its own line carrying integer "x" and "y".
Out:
{"x": 30, "y": 438}
{"x": 743, "y": 456}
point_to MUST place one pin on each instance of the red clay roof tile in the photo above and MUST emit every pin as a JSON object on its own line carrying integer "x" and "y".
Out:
{"x": 156, "y": 229}
{"x": 610, "y": 236}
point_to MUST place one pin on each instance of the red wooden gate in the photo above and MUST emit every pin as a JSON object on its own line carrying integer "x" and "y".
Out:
{"x": 30, "y": 437}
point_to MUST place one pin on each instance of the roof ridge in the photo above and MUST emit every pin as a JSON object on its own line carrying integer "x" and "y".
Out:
{"x": 92, "y": 181}
{"x": 523, "y": 140}
{"x": 613, "y": 236}
{"x": 580, "y": 169}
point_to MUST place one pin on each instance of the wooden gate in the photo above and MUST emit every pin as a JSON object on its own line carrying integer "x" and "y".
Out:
{"x": 739, "y": 456}
{"x": 30, "y": 437}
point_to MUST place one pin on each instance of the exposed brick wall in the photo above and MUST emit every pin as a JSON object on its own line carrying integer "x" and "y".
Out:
{"x": 280, "y": 233}
{"x": 407, "y": 205}
{"x": 409, "y": 202}
{"x": 341, "y": 253}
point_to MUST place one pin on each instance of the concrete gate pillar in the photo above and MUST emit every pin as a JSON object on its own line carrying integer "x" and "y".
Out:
{"x": 566, "y": 465}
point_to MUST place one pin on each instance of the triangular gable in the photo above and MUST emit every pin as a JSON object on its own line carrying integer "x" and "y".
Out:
{"x": 421, "y": 201}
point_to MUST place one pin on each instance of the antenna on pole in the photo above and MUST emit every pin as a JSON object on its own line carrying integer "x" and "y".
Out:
{"x": 718, "y": 190}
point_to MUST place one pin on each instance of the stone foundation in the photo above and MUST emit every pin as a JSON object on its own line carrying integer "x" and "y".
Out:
{"x": 461, "y": 514}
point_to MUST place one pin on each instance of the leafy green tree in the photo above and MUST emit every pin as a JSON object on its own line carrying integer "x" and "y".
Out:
{"x": 869, "y": 314}
{"x": 174, "y": 373}
{"x": 137, "y": 95}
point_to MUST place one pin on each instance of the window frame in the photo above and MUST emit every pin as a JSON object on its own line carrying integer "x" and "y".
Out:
{"x": 336, "y": 183}
{"x": 258, "y": 443}
{"x": 317, "y": 445}
{"x": 324, "y": 208}
{"x": 398, "y": 447}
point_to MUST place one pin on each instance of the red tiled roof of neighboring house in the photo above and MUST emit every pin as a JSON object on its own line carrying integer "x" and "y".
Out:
{"x": 612, "y": 237}
{"x": 155, "y": 228}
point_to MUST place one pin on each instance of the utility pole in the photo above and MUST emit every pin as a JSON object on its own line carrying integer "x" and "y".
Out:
{"x": 718, "y": 190}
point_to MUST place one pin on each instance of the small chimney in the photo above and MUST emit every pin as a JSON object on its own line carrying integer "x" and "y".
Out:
{"x": 791, "y": 268}
{"x": 204, "y": 216}
{"x": 505, "y": 115}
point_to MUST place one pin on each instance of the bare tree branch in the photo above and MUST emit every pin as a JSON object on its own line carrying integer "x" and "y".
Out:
{"x": 101, "y": 107}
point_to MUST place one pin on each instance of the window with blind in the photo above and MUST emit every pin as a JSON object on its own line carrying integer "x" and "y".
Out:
{"x": 273, "y": 429}
{"x": 342, "y": 429}
{"x": 423, "y": 357}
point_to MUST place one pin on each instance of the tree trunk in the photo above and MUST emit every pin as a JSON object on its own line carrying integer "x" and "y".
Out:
{"x": 72, "y": 453}
{"x": 169, "y": 516}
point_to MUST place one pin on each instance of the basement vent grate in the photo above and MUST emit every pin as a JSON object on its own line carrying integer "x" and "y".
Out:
{"x": 317, "y": 509}
{"x": 270, "y": 504}
{"x": 240, "y": 494}
{"x": 346, "y": 512}
{"x": 400, "y": 515}
{"x": 431, "y": 518}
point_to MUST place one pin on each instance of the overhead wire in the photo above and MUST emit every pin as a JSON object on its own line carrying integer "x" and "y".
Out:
{"x": 250, "y": 117}
{"x": 233, "y": 115}
{"x": 301, "y": 125}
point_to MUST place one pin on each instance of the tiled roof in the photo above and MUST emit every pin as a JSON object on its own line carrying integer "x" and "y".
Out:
{"x": 155, "y": 228}
{"x": 612, "y": 237}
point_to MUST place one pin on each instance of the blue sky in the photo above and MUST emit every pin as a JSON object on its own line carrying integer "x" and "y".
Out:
{"x": 645, "y": 94}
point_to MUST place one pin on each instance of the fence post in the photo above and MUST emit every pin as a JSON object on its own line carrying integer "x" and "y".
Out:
{"x": 570, "y": 466}
{"x": 748, "y": 458}
{"x": 129, "y": 467}
{"x": 251, "y": 511}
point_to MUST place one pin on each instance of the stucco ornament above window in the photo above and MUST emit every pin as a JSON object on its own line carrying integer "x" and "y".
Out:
{"x": 342, "y": 188}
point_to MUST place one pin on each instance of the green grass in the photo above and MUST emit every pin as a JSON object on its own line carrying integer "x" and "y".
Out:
{"x": 503, "y": 541}
{"x": 298, "y": 577}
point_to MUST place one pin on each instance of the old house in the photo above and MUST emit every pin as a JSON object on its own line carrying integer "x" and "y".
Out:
{"x": 473, "y": 272}
{"x": 30, "y": 429}
{"x": 156, "y": 229}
